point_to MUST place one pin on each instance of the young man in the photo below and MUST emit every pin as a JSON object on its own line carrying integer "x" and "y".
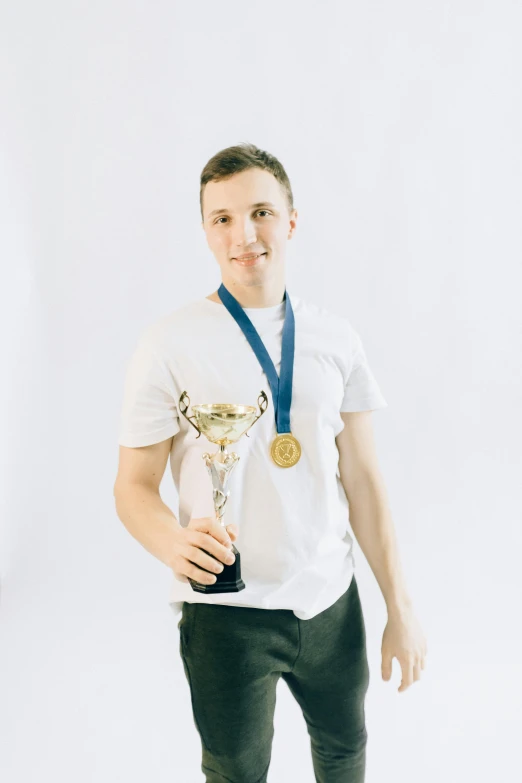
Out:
{"x": 299, "y": 615}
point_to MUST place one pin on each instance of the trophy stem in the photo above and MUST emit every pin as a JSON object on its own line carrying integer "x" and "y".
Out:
{"x": 220, "y": 465}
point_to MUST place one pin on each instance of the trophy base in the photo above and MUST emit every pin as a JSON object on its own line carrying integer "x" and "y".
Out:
{"x": 228, "y": 581}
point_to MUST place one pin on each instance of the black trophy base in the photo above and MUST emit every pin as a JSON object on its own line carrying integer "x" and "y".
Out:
{"x": 228, "y": 581}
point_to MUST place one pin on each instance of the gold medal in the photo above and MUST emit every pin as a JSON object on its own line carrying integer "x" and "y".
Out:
{"x": 285, "y": 450}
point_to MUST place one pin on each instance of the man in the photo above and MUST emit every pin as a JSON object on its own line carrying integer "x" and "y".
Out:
{"x": 299, "y": 615}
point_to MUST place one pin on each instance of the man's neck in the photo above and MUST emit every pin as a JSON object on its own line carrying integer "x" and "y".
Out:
{"x": 253, "y": 296}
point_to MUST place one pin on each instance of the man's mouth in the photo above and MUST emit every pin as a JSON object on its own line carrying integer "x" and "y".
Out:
{"x": 249, "y": 260}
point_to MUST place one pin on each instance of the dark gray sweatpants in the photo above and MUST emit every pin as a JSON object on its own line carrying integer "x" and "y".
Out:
{"x": 233, "y": 657}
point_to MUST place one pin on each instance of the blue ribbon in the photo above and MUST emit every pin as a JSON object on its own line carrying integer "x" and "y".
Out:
{"x": 281, "y": 387}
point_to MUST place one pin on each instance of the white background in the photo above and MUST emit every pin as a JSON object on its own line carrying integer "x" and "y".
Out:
{"x": 399, "y": 125}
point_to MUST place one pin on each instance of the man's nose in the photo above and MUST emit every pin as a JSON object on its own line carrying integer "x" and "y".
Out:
{"x": 245, "y": 234}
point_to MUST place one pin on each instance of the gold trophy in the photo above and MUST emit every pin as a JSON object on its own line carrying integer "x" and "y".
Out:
{"x": 222, "y": 423}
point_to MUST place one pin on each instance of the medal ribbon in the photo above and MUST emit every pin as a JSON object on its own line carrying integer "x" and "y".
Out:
{"x": 281, "y": 387}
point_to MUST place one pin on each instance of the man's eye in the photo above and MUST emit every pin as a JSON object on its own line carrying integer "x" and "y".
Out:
{"x": 257, "y": 213}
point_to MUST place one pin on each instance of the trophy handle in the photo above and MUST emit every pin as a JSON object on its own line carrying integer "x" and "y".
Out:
{"x": 263, "y": 405}
{"x": 184, "y": 402}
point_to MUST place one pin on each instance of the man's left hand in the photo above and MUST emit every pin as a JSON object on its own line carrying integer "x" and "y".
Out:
{"x": 403, "y": 639}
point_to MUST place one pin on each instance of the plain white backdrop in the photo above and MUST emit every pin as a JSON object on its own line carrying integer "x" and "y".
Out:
{"x": 399, "y": 125}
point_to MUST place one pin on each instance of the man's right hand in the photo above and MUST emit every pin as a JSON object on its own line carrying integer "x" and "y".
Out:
{"x": 204, "y": 543}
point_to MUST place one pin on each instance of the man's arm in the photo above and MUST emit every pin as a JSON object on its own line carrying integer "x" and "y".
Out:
{"x": 370, "y": 515}
{"x": 138, "y": 501}
{"x": 192, "y": 551}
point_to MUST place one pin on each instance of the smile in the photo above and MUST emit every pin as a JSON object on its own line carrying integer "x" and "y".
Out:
{"x": 250, "y": 261}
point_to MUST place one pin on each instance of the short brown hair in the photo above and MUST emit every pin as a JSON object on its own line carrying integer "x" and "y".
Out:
{"x": 241, "y": 157}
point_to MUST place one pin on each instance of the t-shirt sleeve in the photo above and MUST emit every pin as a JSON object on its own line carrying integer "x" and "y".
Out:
{"x": 361, "y": 391}
{"x": 149, "y": 413}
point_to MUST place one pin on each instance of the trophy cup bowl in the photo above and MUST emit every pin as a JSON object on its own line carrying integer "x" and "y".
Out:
{"x": 223, "y": 424}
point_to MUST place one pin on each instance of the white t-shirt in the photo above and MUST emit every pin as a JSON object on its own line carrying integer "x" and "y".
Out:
{"x": 296, "y": 551}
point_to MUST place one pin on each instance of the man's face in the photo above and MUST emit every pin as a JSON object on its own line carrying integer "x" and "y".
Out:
{"x": 240, "y": 228}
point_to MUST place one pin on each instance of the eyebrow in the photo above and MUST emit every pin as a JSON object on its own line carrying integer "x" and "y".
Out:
{"x": 252, "y": 206}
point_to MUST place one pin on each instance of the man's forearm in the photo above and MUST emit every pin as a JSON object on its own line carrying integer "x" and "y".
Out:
{"x": 147, "y": 519}
{"x": 371, "y": 522}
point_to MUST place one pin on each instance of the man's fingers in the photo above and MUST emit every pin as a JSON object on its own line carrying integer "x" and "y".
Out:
{"x": 232, "y": 531}
{"x": 407, "y": 675}
{"x": 386, "y": 666}
{"x": 212, "y": 527}
{"x": 203, "y": 577}
{"x": 210, "y": 536}
{"x": 202, "y": 558}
